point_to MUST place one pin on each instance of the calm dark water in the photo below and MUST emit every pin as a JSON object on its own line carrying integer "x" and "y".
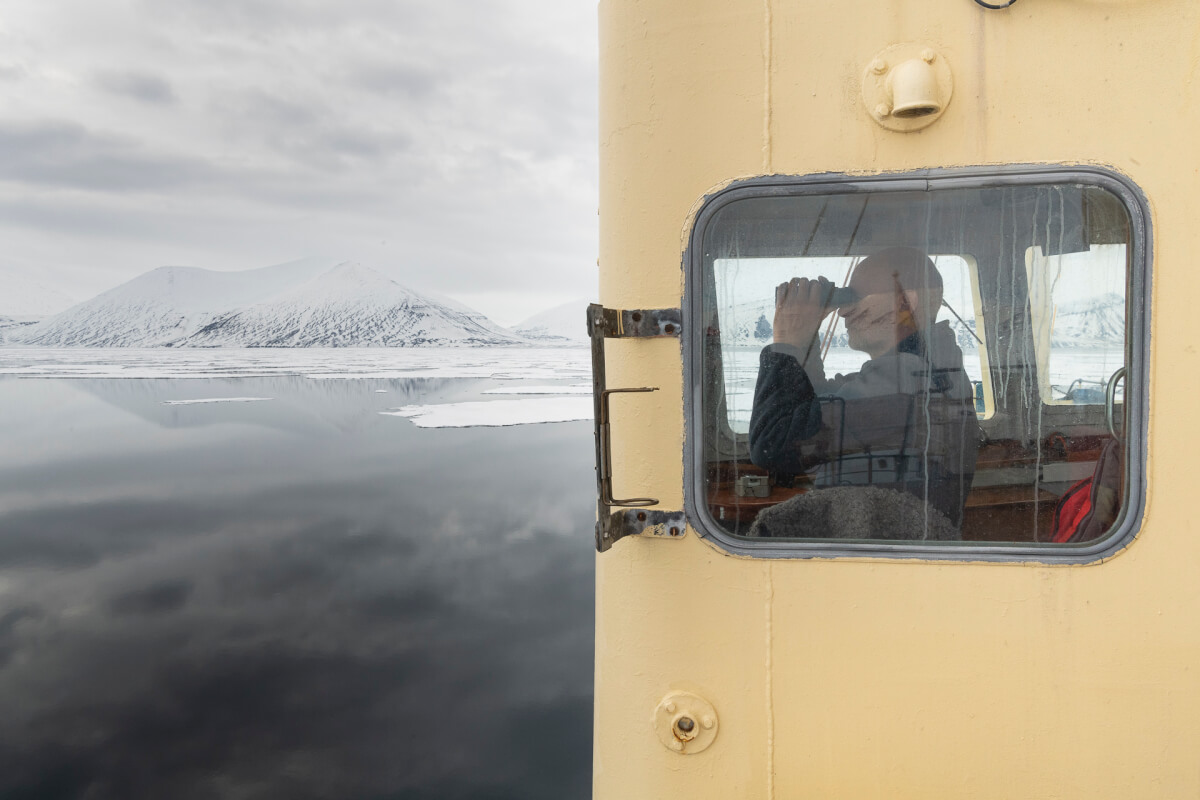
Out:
{"x": 296, "y": 598}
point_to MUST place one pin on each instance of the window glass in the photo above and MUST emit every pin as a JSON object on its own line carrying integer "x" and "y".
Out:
{"x": 923, "y": 366}
{"x": 1077, "y": 303}
{"x": 745, "y": 289}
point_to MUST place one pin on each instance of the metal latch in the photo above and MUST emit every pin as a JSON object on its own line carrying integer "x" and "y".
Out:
{"x": 608, "y": 323}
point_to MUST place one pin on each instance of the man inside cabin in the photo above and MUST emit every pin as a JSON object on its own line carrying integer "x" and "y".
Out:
{"x": 905, "y": 422}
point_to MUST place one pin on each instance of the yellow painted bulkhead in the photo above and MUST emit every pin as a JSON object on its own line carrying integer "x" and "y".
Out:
{"x": 868, "y": 678}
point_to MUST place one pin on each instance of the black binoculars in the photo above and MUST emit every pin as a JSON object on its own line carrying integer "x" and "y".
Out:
{"x": 833, "y": 296}
{"x": 841, "y": 296}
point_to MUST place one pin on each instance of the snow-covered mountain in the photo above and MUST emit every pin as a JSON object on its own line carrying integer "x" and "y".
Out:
{"x": 565, "y": 324}
{"x": 24, "y": 299}
{"x": 1095, "y": 322}
{"x": 302, "y": 304}
{"x": 165, "y": 306}
{"x": 12, "y": 328}
{"x": 350, "y": 306}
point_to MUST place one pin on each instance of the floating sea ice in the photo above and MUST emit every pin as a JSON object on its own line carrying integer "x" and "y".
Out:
{"x": 497, "y": 413}
{"x": 215, "y": 400}
{"x": 574, "y": 388}
{"x": 499, "y": 363}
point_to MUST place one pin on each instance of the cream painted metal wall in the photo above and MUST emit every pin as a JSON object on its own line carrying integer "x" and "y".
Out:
{"x": 860, "y": 679}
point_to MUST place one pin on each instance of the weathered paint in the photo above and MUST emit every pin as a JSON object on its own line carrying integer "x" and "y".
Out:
{"x": 858, "y": 678}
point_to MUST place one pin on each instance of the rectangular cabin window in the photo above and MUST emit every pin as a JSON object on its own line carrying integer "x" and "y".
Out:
{"x": 926, "y": 364}
{"x": 746, "y": 310}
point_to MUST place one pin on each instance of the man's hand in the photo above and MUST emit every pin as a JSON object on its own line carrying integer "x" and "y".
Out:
{"x": 799, "y": 309}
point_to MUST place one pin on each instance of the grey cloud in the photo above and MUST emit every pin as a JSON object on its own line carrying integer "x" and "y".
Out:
{"x": 140, "y": 86}
{"x": 67, "y": 154}
{"x": 485, "y": 224}
{"x": 106, "y": 172}
{"x": 308, "y": 131}
{"x": 273, "y": 18}
{"x": 364, "y": 144}
{"x": 464, "y": 130}
{"x": 332, "y": 147}
{"x": 270, "y": 107}
{"x": 159, "y": 598}
{"x": 97, "y": 223}
{"x": 12, "y": 72}
{"x": 394, "y": 79}
{"x": 9, "y": 621}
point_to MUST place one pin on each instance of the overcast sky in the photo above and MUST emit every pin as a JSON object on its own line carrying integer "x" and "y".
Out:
{"x": 448, "y": 143}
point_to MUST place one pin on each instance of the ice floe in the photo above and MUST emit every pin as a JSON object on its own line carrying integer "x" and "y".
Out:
{"x": 496, "y": 413}
{"x": 499, "y": 363}
{"x": 574, "y": 388}
{"x": 215, "y": 400}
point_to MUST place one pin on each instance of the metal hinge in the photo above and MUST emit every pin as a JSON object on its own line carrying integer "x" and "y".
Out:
{"x": 608, "y": 323}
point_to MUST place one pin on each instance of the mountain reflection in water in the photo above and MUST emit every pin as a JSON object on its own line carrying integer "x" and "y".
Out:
{"x": 295, "y": 598}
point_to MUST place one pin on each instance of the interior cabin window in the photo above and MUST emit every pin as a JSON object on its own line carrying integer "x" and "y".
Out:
{"x": 937, "y": 365}
{"x": 1077, "y": 303}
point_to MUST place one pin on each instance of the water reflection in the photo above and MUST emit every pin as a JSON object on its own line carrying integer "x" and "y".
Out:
{"x": 204, "y": 601}
{"x": 295, "y": 403}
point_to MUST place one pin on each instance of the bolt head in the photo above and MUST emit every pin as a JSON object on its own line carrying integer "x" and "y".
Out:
{"x": 707, "y": 722}
{"x": 670, "y": 707}
{"x": 882, "y": 110}
{"x": 685, "y": 728}
{"x": 928, "y": 56}
{"x": 879, "y": 66}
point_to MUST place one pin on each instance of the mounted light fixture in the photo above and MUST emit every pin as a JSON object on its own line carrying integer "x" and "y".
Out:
{"x": 907, "y": 87}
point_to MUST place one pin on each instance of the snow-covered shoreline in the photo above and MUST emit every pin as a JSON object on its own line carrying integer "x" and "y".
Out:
{"x": 501, "y": 363}
{"x": 539, "y": 385}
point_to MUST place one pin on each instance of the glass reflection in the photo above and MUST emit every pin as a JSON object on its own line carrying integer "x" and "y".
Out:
{"x": 938, "y": 365}
{"x": 289, "y": 598}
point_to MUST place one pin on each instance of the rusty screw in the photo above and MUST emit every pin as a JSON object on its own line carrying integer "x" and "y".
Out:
{"x": 669, "y": 328}
{"x": 641, "y": 516}
{"x": 685, "y": 729}
{"x": 637, "y": 316}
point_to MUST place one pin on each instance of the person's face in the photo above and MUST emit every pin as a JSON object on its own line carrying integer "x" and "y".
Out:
{"x": 877, "y": 321}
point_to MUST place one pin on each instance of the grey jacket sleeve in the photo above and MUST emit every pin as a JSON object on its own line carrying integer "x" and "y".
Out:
{"x": 786, "y": 410}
